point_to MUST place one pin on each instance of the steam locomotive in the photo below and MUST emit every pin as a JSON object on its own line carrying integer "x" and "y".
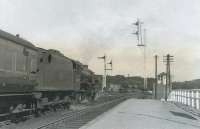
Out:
{"x": 33, "y": 79}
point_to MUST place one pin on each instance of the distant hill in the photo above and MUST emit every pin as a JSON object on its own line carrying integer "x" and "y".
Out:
{"x": 193, "y": 84}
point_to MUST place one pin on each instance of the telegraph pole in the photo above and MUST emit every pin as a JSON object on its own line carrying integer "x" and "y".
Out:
{"x": 156, "y": 75}
{"x": 168, "y": 87}
{"x": 140, "y": 33}
{"x": 145, "y": 69}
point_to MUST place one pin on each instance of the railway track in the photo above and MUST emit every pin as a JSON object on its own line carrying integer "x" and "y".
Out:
{"x": 74, "y": 120}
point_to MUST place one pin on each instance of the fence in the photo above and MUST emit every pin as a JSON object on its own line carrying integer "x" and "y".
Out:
{"x": 187, "y": 97}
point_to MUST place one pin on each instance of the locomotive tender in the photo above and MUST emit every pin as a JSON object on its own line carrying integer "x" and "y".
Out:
{"x": 33, "y": 79}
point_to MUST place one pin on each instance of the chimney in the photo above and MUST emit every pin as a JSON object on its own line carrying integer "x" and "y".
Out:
{"x": 17, "y": 35}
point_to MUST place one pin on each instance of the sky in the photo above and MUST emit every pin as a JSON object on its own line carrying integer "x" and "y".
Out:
{"x": 86, "y": 29}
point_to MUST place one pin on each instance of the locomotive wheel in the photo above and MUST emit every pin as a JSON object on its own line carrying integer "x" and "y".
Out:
{"x": 78, "y": 98}
{"x": 37, "y": 113}
{"x": 16, "y": 118}
{"x": 67, "y": 105}
{"x": 54, "y": 108}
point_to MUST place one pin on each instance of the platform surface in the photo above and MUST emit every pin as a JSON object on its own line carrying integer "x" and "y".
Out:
{"x": 145, "y": 114}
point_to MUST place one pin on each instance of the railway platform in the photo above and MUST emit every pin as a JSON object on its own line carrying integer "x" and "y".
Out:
{"x": 145, "y": 114}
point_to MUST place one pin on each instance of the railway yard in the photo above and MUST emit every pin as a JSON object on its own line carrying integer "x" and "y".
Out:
{"x": 78, "y": 114}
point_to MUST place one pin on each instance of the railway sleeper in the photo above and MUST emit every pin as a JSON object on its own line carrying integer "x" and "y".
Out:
{"x": 51, "y": 107}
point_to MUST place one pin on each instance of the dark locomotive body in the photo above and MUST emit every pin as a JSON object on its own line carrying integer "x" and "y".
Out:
{"x": 87, "y": 84}
{"x": 33, "y": 79}
{"x": 18, "y": 64}
{"x": 55, "y": 71}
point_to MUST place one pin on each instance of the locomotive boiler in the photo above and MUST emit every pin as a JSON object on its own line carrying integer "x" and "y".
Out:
{"x": 33, "y": 79}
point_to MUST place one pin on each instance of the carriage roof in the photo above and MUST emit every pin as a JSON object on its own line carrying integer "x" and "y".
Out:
{"x": 16, "y": 39}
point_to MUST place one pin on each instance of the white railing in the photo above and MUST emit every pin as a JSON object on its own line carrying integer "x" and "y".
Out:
{"x": 187, "y": 97}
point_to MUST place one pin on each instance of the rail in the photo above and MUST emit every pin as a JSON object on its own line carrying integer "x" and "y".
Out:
{"x": 186, "y": 97}
{"x": 96, "y": 109}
